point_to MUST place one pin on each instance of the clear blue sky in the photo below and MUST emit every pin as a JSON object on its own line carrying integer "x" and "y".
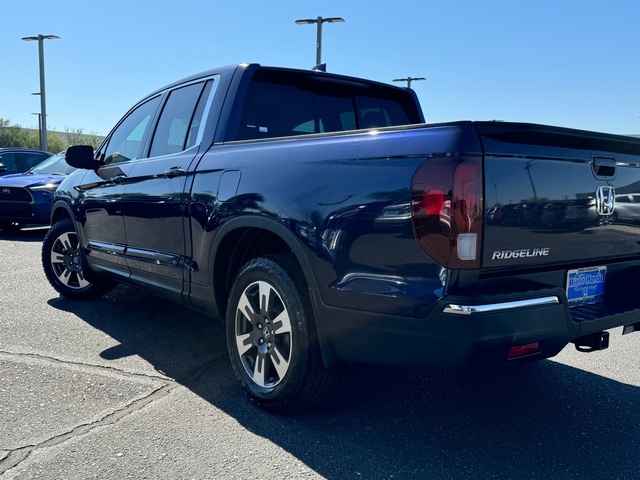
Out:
{"x": 573, "y": 63}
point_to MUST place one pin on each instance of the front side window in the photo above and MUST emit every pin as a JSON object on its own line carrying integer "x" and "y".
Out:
{"x": 126, "y": 140}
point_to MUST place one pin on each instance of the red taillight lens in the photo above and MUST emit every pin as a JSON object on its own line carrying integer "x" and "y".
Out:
{"x": 433, "y": 201}
{"x": 448, "y": 210}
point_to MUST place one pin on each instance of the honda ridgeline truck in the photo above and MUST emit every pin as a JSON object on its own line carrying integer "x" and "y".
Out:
{"x": 326, "y": 223}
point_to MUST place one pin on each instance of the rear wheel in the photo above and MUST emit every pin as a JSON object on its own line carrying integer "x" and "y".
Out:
{"x": 64, "y": 264}
{"x": 271, "y": 336}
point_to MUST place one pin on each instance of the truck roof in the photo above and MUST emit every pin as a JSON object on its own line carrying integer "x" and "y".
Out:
{"x": 252, "y": 67}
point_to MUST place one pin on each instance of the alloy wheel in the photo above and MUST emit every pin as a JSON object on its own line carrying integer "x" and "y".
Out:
{"x": 263, "y": 334}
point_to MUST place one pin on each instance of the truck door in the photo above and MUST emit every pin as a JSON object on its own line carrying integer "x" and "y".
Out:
{"x": 155, "y": 201}
{"x": 100, "y": 193}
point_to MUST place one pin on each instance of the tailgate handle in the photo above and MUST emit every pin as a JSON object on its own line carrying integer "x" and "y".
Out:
{"x": 604, "y": 167}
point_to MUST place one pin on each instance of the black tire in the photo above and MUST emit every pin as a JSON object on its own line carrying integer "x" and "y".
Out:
{"x": 65, "y": 266}
{"x": 272, "y": 339}
{"x": 11, "y": 226}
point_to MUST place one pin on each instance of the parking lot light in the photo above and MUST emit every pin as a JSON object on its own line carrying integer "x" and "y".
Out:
{"x": 319, "y": 21}
{"x": 408, "y": 80}
{"x": 43, "y": 104}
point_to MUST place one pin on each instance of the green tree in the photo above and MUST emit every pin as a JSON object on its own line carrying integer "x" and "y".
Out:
{"x": 78, "y": 137}
{"x": 55, "y": 143}
{"x": 16, "y": 136}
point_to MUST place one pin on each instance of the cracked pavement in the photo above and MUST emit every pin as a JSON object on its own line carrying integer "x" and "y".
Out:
{"x": 69, "y": 368}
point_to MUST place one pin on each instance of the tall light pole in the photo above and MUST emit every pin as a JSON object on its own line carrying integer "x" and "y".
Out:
{"x": 39, "y": 124}
{"x": 409, "y": 80}
{"x": 43, "y": 102}
{"x": 319, "y": 21}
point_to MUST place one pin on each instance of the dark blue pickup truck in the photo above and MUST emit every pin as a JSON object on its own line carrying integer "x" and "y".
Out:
{"x": 326, "y": 223}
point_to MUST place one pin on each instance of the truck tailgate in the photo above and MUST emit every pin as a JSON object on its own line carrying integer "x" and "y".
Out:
{"x": 556, "y": 196}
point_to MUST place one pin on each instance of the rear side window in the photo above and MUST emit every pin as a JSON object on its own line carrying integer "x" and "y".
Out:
{"x": 177, "y": 128}
{"x": 280, "y": 104}
{"x": 28, "y": 160}
{"x": 8, "y": 160}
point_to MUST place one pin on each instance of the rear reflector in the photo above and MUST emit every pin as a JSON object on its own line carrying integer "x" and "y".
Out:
{"x": 467, "y": 246}
{"x": 522, "y": 350}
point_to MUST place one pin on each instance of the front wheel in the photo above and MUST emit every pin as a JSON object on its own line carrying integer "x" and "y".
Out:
{"x": 272, "y": 339}
{"x": 64, "y": 265}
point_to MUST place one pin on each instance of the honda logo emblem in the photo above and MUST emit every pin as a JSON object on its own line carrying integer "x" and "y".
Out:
{"x": 605, "y": 200}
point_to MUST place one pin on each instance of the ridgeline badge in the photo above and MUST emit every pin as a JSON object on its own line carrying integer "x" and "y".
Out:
{"x": 524, "y": 253}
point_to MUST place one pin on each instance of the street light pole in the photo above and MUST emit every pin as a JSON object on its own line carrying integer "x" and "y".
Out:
{"x": 319, "y": 21}
{"x": 39, "y": 124}
{"x": 409, "y": 80}
{"x": 43, "y": 102}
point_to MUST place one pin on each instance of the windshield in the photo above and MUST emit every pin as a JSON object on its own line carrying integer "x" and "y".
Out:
{"x": 55, "y": 165}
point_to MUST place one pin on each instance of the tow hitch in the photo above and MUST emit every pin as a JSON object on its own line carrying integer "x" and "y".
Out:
{"x": 592, "y": 342}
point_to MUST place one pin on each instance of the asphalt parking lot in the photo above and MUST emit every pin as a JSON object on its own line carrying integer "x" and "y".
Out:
{"x": 132, "y": 386}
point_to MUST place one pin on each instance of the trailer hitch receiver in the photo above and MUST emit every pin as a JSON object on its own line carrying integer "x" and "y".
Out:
{"x": 592, "y": 342}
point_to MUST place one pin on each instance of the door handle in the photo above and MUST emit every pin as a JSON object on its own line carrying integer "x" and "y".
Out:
{"x": 118, "y": 179}
{"x": 174, "y": 172}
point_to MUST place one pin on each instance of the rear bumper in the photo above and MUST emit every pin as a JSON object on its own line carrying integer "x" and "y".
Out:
{"x": 461, "y": 333}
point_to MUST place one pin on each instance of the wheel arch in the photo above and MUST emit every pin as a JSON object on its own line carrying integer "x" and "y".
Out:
{"x": 59, "y": 210}
{"x": 243, "y": 238}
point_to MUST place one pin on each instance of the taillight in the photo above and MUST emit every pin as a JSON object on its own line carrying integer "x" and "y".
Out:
{"x": 447, "y": 210}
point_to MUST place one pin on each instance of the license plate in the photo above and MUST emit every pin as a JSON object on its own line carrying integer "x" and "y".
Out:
{"x": 585, "y": 285}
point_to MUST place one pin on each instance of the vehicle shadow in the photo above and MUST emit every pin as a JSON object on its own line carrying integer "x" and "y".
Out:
{"x": 546, "y": 420}
{"x": 28, "y": 234}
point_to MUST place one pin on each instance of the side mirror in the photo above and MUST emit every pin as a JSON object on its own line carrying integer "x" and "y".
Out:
{"x": 80, "y": 156}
